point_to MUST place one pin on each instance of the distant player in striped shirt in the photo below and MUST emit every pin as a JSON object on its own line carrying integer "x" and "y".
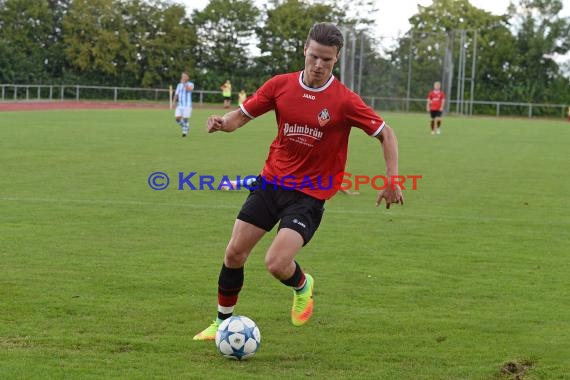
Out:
{"x": 183, "y": 98}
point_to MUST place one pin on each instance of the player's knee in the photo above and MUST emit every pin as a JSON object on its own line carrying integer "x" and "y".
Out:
{"x": 235, "y": 256}
{"x": 275, "y": 266}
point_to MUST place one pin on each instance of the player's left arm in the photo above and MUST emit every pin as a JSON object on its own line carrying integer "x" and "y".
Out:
{"x": 442, "y": 103}
{"x": 392, "y": 193}
{"x": 361, "y": 115}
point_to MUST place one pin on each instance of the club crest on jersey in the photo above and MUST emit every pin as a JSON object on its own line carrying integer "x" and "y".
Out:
{"x": 324, "y": 117}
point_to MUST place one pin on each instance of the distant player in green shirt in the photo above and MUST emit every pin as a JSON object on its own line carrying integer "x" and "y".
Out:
{"x": 227, "y": 93}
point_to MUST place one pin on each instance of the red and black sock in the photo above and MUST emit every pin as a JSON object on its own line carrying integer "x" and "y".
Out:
{"x": 230, "y": 283}
{"x": 298, "y": 279}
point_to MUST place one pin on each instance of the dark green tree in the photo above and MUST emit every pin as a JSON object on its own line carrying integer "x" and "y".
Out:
{"x": 541, "y": 33}
{"x": 137, "y": 43}
{"x": 25, "y": 27}
{"x": 430, "y": 50}
{"x": 438, "y": 28}
{"x": 282, "y": 38}
{"x": 57, "y": 66}
{"x": 97, "y": 45}
{"x": 160, "y": 41}
{"x": 225, "y": 31}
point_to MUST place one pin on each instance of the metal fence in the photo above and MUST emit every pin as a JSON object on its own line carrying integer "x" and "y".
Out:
{"x": 29, "y": 93}
{"x": 18, "y": 92}
{"x": 32, "y": 92}
{"x": 473, "y": 108}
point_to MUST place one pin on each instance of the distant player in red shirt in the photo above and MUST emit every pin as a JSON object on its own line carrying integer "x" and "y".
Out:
{"x": 315, "y": 113}
{"x": 435, "y": 103}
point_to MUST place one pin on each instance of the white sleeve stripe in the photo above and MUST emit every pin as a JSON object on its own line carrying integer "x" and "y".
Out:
{"x": 245, "y": 112}
{"x": 379, "y": 130}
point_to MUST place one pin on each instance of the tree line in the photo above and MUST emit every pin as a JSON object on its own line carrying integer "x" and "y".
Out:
{"x": 148, "y": 43}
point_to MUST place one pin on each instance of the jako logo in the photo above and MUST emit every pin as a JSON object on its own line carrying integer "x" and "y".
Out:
{"x": 297, "y": 221}
{"x": 307, "y": 96}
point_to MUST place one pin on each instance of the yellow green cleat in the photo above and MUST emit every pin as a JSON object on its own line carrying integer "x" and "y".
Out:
{"x": 302, "y": 309}
{"x": 209, "y": 333}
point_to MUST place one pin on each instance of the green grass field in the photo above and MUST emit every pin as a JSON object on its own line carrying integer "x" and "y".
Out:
{"x": 102, "y": 277}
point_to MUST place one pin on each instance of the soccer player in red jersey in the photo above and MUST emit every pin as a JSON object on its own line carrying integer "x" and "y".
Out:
{"x": 435, "y": 103}
{"x": 315, "y": 113}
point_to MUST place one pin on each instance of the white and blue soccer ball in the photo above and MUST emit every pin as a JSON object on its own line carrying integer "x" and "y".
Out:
{"x": 238, "y": 337}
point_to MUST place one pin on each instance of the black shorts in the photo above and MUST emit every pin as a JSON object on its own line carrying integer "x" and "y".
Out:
{"x": 227, "y": 98}
{"x": 435, "y": 114}
{"x": 266, "y": 205}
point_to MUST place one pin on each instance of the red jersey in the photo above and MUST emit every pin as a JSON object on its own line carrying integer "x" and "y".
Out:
{"x": 435, "y": 100}
{"x": 313, "y": 128}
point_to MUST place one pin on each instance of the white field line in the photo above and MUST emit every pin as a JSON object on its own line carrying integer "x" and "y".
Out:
{"x": 220, "y": 206}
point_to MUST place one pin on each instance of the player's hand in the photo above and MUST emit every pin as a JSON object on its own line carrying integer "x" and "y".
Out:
{"x": 391, "y": 194}
{"x": 214, "y": 124}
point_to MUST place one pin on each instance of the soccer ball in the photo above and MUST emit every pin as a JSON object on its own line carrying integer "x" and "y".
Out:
{"x": 238, "y": 337}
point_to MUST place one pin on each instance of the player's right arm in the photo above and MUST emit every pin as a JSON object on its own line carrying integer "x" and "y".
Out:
{"x": 227, "y": 123}
{"x": 427, "y": 104}
{"x": 175, "y": 96}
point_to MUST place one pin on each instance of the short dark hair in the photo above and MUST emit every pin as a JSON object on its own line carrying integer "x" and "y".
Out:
{"x": 327, "y": 34}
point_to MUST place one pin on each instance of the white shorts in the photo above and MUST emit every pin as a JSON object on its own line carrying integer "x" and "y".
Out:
{"x": 184, "y": 112}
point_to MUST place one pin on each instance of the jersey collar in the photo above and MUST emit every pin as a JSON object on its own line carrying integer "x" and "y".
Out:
{"x": 318, "y": 89}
